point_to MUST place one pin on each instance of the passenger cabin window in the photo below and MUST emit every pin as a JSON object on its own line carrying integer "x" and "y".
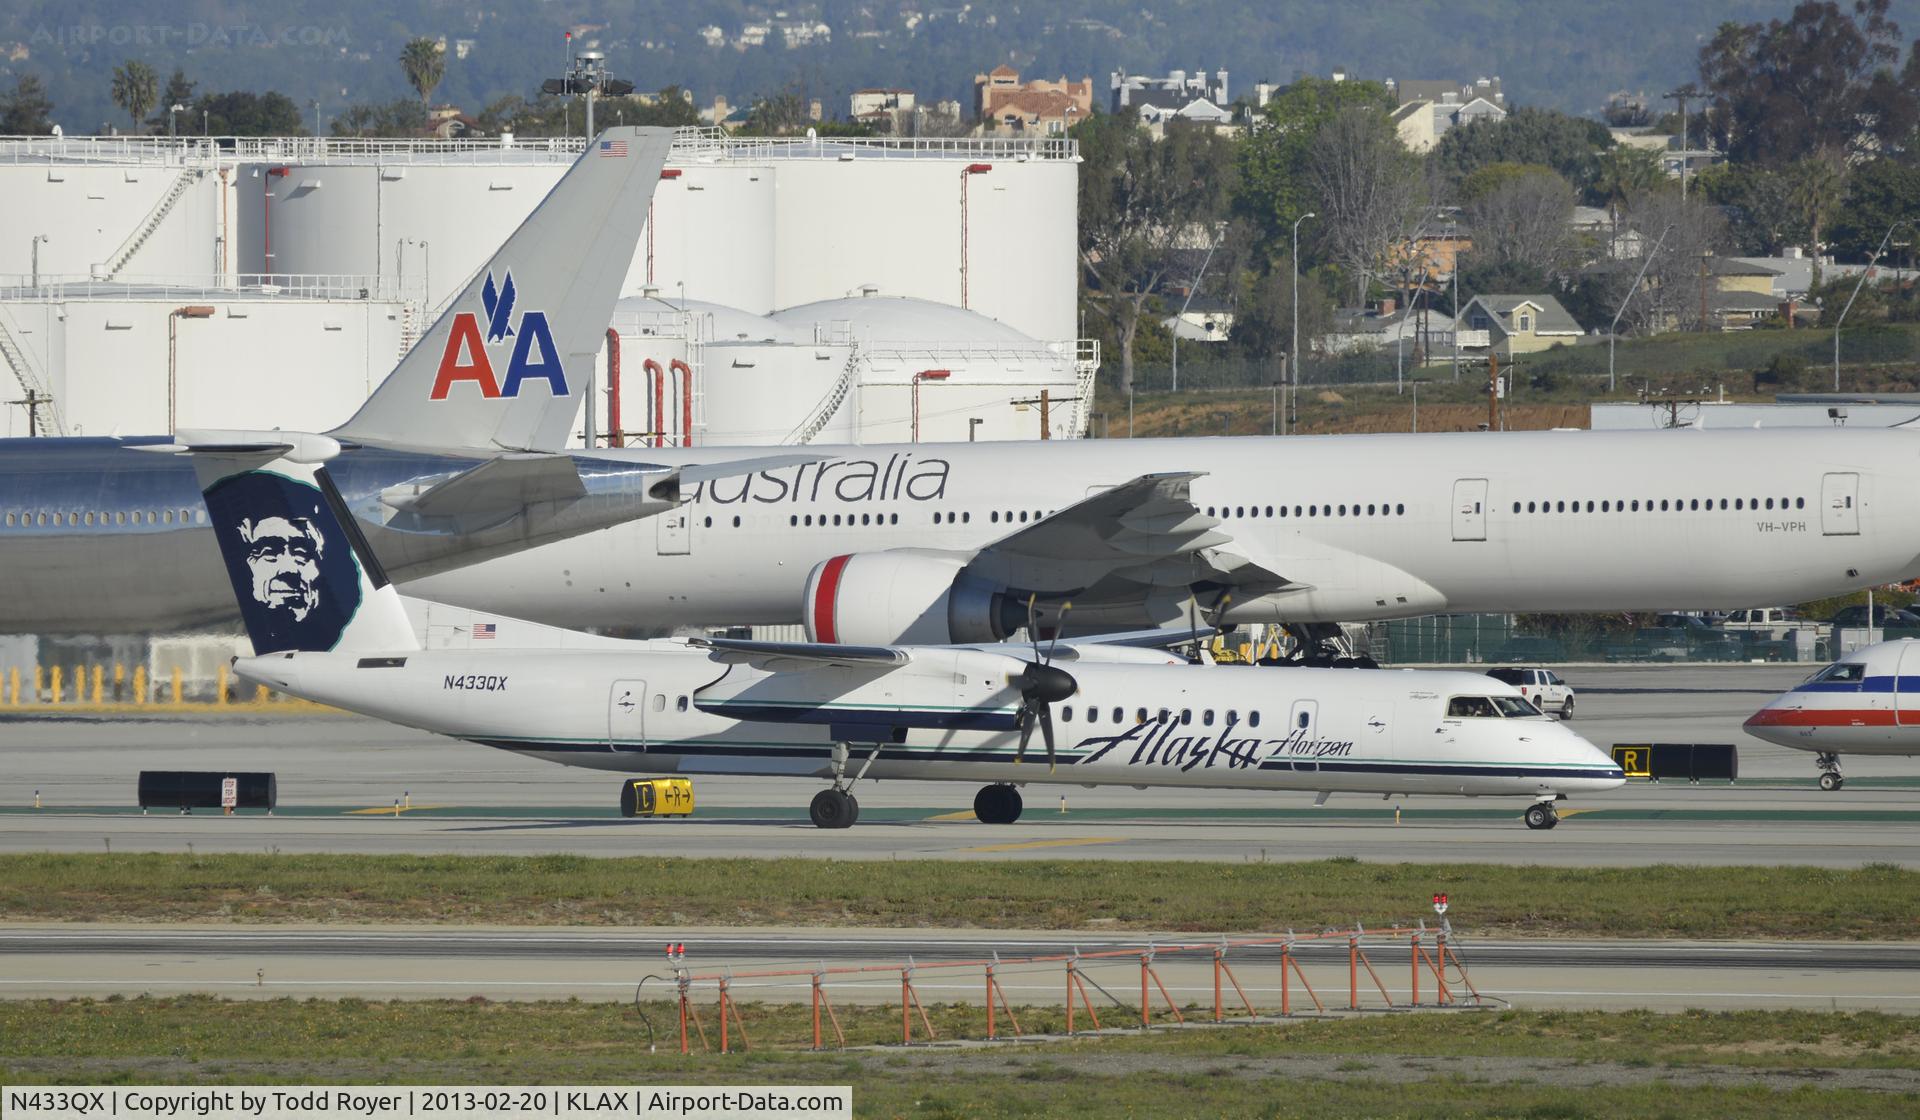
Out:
{"x": 1471, "y": 707}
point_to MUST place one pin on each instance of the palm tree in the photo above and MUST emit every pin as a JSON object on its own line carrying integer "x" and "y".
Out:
{"x": 1623, "y": 173}
{"x": 134, "y": 89}
{"x": 425, "y": 63}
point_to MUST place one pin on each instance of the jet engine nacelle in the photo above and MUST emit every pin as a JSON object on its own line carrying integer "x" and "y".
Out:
{"x": 904, "y": 596}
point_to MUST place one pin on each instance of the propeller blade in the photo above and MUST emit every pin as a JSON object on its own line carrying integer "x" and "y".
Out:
{"x": 1033, "y": 628}
{"x": 1046, "y": 732}
{"x": 1026, "y": 732}
{"x": 1059, "y": 624}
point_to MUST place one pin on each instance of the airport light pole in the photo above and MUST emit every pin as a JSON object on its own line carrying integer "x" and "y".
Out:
{"x": 1184, "y": 304}
{"x": 587, "y": 75}
{"x": 1613, "y": 328}
{"x": 1864, "y": 273}
{"x": 1298, "y": 366}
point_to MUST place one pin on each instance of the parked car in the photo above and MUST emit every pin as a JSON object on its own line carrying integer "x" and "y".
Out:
{"x": 1762, "y": 620}
{"x": 1653, "y": 643}
{"x": 1690, "y": 624}
{"x": 1856, "y": 616}
{"x": 1528, "y": 648}
{"x": 1542, "y": 686}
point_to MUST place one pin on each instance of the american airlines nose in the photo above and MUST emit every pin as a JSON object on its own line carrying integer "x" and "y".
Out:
{"x": 1783, "y": 721}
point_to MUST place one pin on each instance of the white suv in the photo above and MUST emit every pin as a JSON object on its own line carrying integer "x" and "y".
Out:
{"x": 1544, "y": 687}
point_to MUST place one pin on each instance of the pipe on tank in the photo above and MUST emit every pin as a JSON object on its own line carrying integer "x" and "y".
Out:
{"x": 656, "y": 399}
{"x": 686, "y": 400}
{"x": 615, "y": 438}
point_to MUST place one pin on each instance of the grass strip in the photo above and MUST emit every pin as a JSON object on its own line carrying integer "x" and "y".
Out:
{"x": 1556, "y": 1064}
{"x": 1877, "y": 901}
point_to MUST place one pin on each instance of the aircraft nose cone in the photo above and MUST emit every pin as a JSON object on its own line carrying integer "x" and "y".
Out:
{"x": 1768, "y": 724}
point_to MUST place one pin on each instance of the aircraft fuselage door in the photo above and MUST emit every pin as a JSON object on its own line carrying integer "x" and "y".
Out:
{"x": 626, "y": 716}
{"x": 1840, "y": 505}
{"x": 1303, "y": 726}
{"x": 676, "y": 531}
{"x": 1906, "y": 686}
{"x": 1470, "y": 509}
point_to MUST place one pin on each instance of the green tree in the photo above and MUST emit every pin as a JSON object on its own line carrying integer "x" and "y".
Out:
{"x": 177, "y": 91}
{"x": 400, "y": 117}
{"x": 244, "y": 113}
{"x": 424, "y": 62}
{"x": 1759, "y": 201}
{"x": 782, "y": 114}
{"x": 1880, "y": 194}
{"x": 1147, "y": 207}
{"x": 1370, "y": 194}
{"x": 25, "y": 111}
{"x": 1623, "y": 172}
{"x": 1570, "y": 145}
{"x": 1817, "y": 83}
{"x": 1271, "y": 162}
{"x": 135, "y": 86}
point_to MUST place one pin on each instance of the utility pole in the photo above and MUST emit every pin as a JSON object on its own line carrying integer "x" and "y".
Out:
{"x": 1046, "y": 400}
{"x": 1493, "y": 389}
{"x": 33, "y": 401}
{"x": 1680, "y": 98}
{"x": 1297, "y": 367}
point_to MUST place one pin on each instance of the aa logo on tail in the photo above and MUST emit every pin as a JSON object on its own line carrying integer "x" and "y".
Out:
{"x": 467, "y": 357}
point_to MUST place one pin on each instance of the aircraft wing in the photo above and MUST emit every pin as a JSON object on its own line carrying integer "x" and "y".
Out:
{"x": 1144, "y": 531}
{"x": 781, "y": 657}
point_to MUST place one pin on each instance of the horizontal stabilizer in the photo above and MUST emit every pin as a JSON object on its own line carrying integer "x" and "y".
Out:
{"x": 296, "y": 447}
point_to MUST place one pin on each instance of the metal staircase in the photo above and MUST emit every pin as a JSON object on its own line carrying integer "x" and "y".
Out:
{"x": 152, "y": 222}
{"x": 30, "y": 380}
{"x": 1086, "y": 363}
{"x": 829, "y": 404}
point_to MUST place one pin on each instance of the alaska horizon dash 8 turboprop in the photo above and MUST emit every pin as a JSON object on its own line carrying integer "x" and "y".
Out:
{"x": 1865, "y": 703}
{"x": 328, "y": 625}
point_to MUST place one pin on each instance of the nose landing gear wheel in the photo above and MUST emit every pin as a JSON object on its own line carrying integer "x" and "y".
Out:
{"x": 997, "y": 804}
{"x": 833, "y": 808}
{"x": 1540, "y": 815}
{"x": 1829, "y": 764}
{"x": 1831, "y": 780}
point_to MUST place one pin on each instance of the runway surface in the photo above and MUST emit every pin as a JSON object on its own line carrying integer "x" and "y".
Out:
{"x": 340, "y": 776}
{"x": 598, "y": 964}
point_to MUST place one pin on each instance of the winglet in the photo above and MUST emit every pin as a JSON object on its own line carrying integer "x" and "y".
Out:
{"x": 506, "y": 365}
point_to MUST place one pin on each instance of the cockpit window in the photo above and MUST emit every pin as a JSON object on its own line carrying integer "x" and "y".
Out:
{"x": 1471, "y": 707}
{"x": 1515, "y": 707}
{"x": 1843, "y": 671}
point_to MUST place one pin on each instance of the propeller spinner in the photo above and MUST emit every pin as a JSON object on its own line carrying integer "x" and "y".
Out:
{"x": 1041, "y": 686}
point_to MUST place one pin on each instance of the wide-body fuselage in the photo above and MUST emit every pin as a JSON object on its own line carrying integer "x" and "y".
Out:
{"x": 92, "y": 536}
{"x": 659, "y": 710}
{"x": 1376, "y": 526}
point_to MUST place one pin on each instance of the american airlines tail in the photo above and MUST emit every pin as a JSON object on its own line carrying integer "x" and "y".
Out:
{"x": 301, "y": 572}
{"x": 507, "y": 365}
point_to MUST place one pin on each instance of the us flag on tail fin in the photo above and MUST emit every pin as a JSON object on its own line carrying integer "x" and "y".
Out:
{"x": 613, "y": 149}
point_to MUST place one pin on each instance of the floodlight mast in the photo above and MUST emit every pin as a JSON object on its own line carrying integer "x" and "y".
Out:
{"x": 587, "y": 75}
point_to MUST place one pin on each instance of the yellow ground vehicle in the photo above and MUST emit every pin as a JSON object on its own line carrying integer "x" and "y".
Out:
{"x": 656, "y": 797}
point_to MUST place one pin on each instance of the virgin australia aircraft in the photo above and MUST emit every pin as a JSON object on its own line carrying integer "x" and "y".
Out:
{"x": 938, "y": 543}
{"x": 443, "y": 467}
{"x": 326, "y": 624}
{"x": 1865, "y": 703}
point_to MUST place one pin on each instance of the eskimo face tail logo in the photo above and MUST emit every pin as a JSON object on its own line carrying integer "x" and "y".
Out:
{"x": 466, "y": 356}
{"x": 293, "y": 571}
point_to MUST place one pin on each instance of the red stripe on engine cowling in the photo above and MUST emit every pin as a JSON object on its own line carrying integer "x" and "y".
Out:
{"x": 824, "y": 594}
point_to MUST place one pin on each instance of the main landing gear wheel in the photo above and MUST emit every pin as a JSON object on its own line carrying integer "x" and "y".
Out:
{"x": 1541, "y": 815}
{"x": 834, "y": 808}
{"x": 1829, "y": 764}
{"x": 997, "y": 804}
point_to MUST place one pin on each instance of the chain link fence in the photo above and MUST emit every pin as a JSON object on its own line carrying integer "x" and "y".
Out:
{"x": 1507, "y": 639}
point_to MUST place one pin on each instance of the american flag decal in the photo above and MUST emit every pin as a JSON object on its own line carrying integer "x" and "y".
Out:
{"x": 613, "y": 149}
{"x": 482, "y": 630}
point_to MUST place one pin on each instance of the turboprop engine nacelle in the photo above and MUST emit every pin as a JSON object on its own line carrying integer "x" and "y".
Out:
{"x": 904, "y": 597}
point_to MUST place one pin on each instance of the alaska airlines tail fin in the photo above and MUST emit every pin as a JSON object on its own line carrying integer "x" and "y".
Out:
{"x": 507, "y": 365}
{"x": 302, "y": 573}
